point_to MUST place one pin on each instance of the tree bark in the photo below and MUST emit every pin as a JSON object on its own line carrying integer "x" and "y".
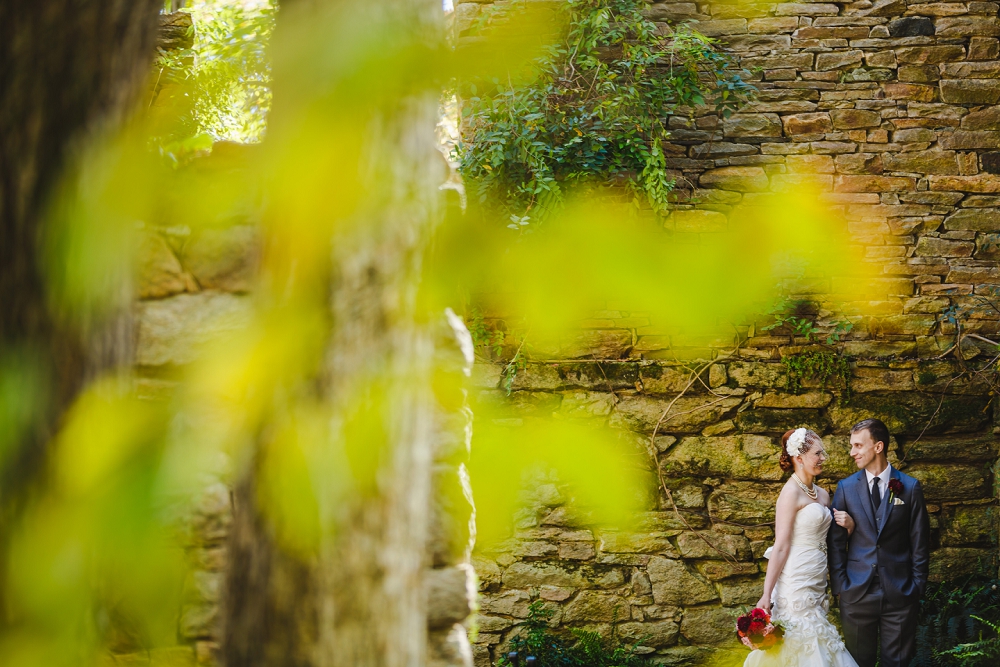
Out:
{"x": 367, "y": 603}
{"x": 69, "y": 70}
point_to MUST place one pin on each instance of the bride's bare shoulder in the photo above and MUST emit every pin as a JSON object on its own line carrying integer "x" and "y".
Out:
{"x": 788, "y": 499}
{"x": 788, "y": 489}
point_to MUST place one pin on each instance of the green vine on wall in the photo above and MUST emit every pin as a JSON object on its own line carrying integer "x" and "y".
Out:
{"x": 801, "y": 318}
{"x": 488, "y": 342}
{"x": 595, "y": 109}
{"x": 489, "y": 345}
{"x": 822, "y": 366}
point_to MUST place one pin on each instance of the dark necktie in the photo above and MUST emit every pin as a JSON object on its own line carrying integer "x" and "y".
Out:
{"x": 876, "y": 495}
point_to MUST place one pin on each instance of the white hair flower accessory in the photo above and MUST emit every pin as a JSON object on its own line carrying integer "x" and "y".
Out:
{"x": 796, "y": 442}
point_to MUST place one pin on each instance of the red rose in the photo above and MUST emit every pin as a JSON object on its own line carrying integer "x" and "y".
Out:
{"x": 759, "y": 614}
{"x": 743, "y": 623}
{"x": 757, "y": 627}
{"x": 895, "y": 486}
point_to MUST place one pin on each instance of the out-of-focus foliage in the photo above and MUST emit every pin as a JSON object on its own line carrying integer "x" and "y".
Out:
{"x": 98, "y": 546}
{"x": 593, "y": 251}
{"x": 593, "y": 108}
{"x": 600, "y": 477}
{"x": 222, "y": 84}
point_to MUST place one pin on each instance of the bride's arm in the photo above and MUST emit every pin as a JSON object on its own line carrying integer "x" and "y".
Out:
{"x": 836, "y": 541}
{"x": 784, "y": 522}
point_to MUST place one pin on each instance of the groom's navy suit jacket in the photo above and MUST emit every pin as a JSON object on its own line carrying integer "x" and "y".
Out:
{"x": 892, "y": 543}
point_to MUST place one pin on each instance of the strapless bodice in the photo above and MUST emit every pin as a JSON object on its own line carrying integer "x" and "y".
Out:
{"x": 811, "y": 525}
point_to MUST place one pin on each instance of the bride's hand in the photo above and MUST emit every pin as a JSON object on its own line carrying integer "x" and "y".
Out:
{"x": 844, "y": 520}
{"x": 764, "y": 603}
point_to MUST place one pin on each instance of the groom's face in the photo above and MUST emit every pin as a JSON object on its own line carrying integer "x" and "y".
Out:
{"x": 864, "y": 448}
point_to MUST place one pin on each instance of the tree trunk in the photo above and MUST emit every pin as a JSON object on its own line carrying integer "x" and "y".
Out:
{"x": 69, "y": 70}
{"x": 364, "y": 599}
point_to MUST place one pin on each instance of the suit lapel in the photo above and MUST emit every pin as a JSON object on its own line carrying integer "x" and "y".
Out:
{"x": 886, "y": 508}
{"x": 865, "y": 498}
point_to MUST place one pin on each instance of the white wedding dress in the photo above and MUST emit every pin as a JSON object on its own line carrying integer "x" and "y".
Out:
{"x": 800, "y": 601}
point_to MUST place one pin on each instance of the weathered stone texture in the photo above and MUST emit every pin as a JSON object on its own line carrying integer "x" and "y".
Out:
{"x": 171, "y": 330}
{"x": 223, "y": 258}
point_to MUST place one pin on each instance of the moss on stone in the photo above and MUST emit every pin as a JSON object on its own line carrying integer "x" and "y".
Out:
{"x": 945, "y": 482}
{"x": 951, "y": 563}
{"x": 908, "y": 412}
{"x": 757, "y": 374}
{"x": 735, "y": 457}
{"x": 778, "y": 420}
{"x": 953, "y": 448}
{"x": 744, "y": 502}
{"x": 688, "y": 414}
{"x": 969, "y": 525}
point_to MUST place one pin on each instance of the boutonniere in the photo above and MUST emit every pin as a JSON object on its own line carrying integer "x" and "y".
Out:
{"x": 895, "y": 488}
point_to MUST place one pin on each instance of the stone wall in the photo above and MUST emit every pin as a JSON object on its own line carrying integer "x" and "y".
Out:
{"x": 886, "y": 108}
{"x": 193, "y": 286}
{"x": 680, "y": 575}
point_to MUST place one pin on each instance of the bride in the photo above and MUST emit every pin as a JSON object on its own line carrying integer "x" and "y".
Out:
{"x": 797, "y": 568}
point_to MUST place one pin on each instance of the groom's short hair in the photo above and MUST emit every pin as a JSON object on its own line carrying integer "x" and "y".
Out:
{"x": 877, "y": 430}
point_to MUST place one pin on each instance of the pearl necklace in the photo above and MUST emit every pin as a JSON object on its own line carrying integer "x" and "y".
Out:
{"x": 809, "y": 491}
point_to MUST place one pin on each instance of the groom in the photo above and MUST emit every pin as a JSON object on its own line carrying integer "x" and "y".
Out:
{"x": 880, "y": 571}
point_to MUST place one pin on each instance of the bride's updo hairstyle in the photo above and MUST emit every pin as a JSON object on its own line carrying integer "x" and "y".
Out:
{"x": 810, "y": 440}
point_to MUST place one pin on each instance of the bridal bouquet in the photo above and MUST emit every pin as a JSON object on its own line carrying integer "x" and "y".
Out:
{"x": 756, "y": 630}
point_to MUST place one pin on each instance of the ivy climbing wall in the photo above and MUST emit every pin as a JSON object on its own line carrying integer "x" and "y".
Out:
{"x": 887, "y": 110}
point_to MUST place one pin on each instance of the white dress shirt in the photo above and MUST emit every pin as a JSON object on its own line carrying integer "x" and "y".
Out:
{"x": 883, "y": 481}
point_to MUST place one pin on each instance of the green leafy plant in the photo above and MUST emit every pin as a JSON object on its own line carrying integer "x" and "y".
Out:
{"x": 800, "y": 318}
{"x": 983, "y": 651}
{"x": 516, "y": 364}
{"x": 222, "y": 83}
{"x": 594, "y": 110}
{"x": 800, "y": 326}
{"x": 488, "y": 341}
{"x": 958, "y": 624}
{"x": 489, "y": 344}
{"x": 821, "y": 365}
{"x": 579, "y": 648}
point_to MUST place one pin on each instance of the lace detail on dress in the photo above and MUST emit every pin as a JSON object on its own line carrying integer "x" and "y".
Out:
{"x": 786, "y": 610}
{"x": 807, "y": 628}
